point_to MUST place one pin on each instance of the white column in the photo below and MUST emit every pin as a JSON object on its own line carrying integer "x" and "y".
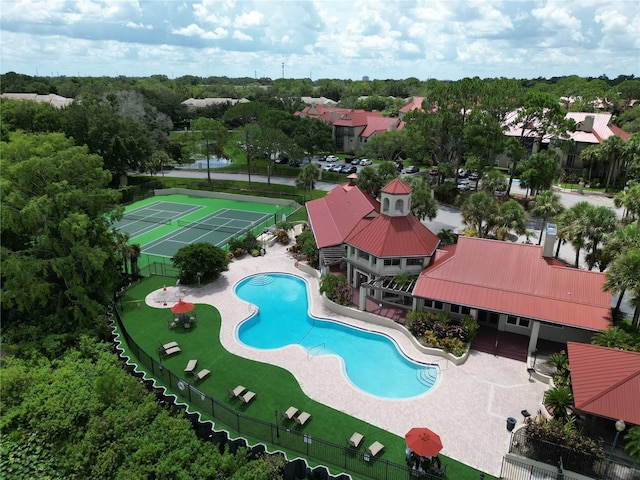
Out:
{"x": 533, "y": 339}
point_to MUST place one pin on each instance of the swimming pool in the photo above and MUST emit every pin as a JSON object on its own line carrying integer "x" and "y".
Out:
{"x": 372, "y": 361}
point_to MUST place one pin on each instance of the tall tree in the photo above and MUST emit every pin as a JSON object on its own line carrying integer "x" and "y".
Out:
{"x": 611, "y": 153}
{"x": 478, "y": 210}
{"x": 623, "y": 276}
{"x": 60, "y": 262}
{"x": 510, "y": 216}
{"x": 248, "y": 117}
{"x": 539, "y": 171}
{"x": 208, "y": 138}
{"x": 423, "y": 203}
{"x": 598, "y": 222}
{"x": 307, "y": 179}
{"x": 546, "y": 205}
{"x": 540, "y": 118}
{"x": 629, "y": 198}
{"x": 571, "y": 228}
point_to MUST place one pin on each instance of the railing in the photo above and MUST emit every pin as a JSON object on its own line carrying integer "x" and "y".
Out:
{"x": 583, "y": 463}
{"x": 279, "y": 437}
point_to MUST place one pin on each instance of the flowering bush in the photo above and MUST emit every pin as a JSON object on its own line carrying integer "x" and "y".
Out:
{"x": 437, "y": 330}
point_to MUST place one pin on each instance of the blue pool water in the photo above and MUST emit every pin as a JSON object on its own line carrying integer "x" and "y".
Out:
{"x": 372, "y": 361}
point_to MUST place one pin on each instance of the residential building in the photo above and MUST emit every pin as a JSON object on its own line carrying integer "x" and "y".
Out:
{"x": 193, "y": 103}
{"x": 506, "y": 286}
{"x": 50, "y": 98}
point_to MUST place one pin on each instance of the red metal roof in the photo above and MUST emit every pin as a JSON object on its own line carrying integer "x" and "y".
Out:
{"x": 381, "y": 125}
{"x": 386, "y": 236}
{"x": 415, "y": 103}
{"x": 605, "y": 381}
{"x": 514, "y": 278}
{"x": 397, "y": 186}
{"x": 334, "y": 216}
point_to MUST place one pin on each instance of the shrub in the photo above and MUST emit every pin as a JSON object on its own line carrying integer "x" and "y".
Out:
{"x": 283, "y": 237}
{"x": 336, "y": 288}
{"x": 255, "y": 252}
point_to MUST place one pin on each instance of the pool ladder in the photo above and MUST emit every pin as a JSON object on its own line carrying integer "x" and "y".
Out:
{"x": 318, "y": 346}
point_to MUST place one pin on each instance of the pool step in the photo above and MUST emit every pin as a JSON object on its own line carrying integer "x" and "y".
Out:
{"x": 427, "y": 376}
{"x": 262, "y": 279}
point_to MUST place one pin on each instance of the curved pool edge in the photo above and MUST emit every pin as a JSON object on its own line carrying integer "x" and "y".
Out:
{"x": 365, "y": 328}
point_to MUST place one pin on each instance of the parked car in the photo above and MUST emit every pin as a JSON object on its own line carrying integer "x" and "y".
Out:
{"x": 464, "y": 185}
{"x": 336, "y": 168}
{"x": 411, "y": 169}
{"x": 281, "y": 161}
{"x": 328, "y": 167}
{"x": 332, "y": 158}
{"x": 348, "y": 169}
{"x": 462, "y": 173}
{"x": 434, "y": 171}
{"x": 355, "y": 161}
{"x": 474, "y": 176}
{"x": 365, "y": 162}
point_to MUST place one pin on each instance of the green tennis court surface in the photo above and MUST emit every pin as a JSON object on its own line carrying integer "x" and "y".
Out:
{"x": 163, "y": 225}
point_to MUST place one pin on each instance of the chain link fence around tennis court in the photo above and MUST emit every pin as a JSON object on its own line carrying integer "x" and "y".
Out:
{"x": 278, "y": 437}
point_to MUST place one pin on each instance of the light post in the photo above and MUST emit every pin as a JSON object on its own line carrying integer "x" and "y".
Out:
{"x": 620, "y": 426}
{"x": 277, "y": 430}
{"x": 199, "y": 274}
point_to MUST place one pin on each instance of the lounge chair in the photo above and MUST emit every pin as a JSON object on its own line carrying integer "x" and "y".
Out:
{"x": 290, "y": 413}
{"x": 375, "y": 448}
{"x": 236, "y": 392}
{"x": 355, "y": 440}
{"x": 191, "y": 366}
{"x": 169, "y": 345}
{"x": 202, "y": 373}
{"x": 247, "y": 397}
{"x": 302, "y": 418}
{"x": 171, "y": 351}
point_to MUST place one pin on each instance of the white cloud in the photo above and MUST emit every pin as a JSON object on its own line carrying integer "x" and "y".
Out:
{"x": 194, "y": 30}
{"x": 249, "y": 19}
{"x": 238, "y": 35}
{"x": 139, "y": 26}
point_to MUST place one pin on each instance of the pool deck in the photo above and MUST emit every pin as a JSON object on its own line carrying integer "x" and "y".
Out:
{"x": 468, "y": 407}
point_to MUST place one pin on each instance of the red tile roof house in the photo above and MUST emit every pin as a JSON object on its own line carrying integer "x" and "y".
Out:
{"x": 351, "y": 129}
{"x": 591, "y": 129}
{"x": 512, "y": 287}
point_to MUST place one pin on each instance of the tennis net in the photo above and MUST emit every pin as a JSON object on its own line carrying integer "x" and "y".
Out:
{"x": 146, "y": 218}
{"x": 215, "y": 227}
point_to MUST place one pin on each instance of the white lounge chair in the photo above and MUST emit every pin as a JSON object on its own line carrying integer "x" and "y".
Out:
{"x": 202, "y": 373}
{"x": 169, "y": 345}
{"x": 191, "y": 366}
{"x": 355, "y": 439}
{"x": 290, "y": 413}
{"x": 172, "y": 350}
{"x": 236, "y": 392}
{"x": 375, "y": 448}
{"x": 302, "y": 418}
{"x": 247, "y": 397}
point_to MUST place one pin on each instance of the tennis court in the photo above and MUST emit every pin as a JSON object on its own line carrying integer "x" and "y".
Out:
{"x": 162, "y": 226}
{"x": 144, "y": 219}
{"x": 217, "y": 229}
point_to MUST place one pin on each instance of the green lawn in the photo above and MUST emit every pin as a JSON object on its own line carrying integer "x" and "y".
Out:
{"x": 276, "y": 388}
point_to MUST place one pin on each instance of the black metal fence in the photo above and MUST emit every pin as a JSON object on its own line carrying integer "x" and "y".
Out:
{"x": 355, "y": 462}
{"x": 584, "y": 463}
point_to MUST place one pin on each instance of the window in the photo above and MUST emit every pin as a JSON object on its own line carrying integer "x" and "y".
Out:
{"x": 518, "y": 321}
{"x": 434, "y": 304}
{"x": 399, "y": 205}
{"x": 385, "y": 205}
{"x": 391, "y": 262}
{"x": 363, "y": 255}
{"x": 414, "y": 262}
{"x": 453, "y": 308}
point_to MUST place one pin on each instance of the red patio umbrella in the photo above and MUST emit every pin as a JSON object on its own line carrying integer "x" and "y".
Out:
{"x": 182, "y": 307}
{"x": 423, "y": 442}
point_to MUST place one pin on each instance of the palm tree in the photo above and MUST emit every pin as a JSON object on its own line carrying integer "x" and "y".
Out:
{"x": 510, "y": 216}
{"x": 624, "y": 275}
{"x": 134, "y": 252}
{"x": 632, "y": 443}
{"x": 613, "y": 337}
{"x": 598, "y": 222}
{"x": 559, "y": 400}
{"x": 544, "y": 205}
{"x": 572, "y": 228}
{"x": 629, "y": 198}
{"x": 307, "y": 179}
{"x": 478, "y": 210}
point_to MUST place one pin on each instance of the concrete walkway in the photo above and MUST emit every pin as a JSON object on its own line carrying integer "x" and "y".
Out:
{"x": 468, "y": 407}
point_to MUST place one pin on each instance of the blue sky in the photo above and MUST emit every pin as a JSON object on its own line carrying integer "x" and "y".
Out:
{"x": 346, "y": 39}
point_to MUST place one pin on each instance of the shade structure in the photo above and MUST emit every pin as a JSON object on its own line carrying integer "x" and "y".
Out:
{"x": 423, "y": 442}
{"x": 182, "y": 307}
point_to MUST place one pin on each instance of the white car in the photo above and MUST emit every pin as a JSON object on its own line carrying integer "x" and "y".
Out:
{"x": 332, "y": 158}
{"x": 365, "y": 161}
{"x": 328, "y": 166}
